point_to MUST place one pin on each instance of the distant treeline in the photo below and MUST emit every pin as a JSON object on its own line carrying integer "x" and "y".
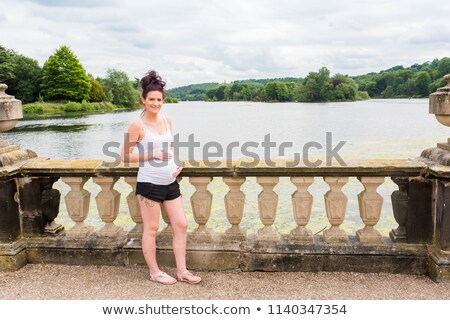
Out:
{"x": 416, "y": 81}
{"x": 62, "y": 78}
{"x": 316, "y": 87}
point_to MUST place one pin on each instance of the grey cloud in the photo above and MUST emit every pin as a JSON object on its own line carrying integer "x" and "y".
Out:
{"x": 235, "y": 39}
{"x": 73, "y": 3}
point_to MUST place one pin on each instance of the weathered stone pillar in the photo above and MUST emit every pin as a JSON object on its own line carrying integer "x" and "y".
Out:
{"x": 39, "y": 205}
{"x": 267, "y": 204}
{"x": 429, "y": 203}
{"x": 135, "y": 210}
{"x": 400, "y": 201}
{"x": 9, "y": 213}
{"x": 77, "y": 203}
{"x": 30, "y": 197}
{"x": 302, "y": 202}
{"x": 12, "y": 246}
{"x": 234, "y": 206}
{"x": 201, "y": 202}
{"x": 108, "y": 202}
{"x": 420, "y": 220}
{"x": 370, "y": 204}
{"x": 335, "y": 205}
{"x": 13, "y": 254}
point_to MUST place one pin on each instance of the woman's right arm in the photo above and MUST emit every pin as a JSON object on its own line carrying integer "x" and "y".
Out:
{"x": 132, "y": 137}
{"x": 130, "y": 141}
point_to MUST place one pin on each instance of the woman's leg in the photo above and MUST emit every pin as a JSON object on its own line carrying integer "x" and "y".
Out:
{"x": 150, "y": 211}
{"x": 177, "y": 217}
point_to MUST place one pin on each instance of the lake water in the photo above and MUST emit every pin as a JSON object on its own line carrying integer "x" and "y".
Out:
{"x": 373, "y": 129}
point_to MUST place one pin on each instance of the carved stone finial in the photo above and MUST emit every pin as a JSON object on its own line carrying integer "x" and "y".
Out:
{"x": 440, "y": 103}
{"x": 447, "y": 87}
{"x": 10, "y": 110}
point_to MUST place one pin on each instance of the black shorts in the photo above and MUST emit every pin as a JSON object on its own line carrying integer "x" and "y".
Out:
{"x": 157, "y": 192}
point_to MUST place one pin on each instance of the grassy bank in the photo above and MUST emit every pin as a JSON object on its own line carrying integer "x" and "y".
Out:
{"x": 58, "y": 109}
{"x": 64, "y": 108}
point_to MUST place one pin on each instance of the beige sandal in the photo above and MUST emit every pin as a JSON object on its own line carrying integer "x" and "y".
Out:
{"x": 188, "y": 277}
{"x": 163, "y": 278}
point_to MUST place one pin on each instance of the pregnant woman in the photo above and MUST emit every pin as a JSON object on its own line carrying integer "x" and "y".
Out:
{"x": 156, "y": 181}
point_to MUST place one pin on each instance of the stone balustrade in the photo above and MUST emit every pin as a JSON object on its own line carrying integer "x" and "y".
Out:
{"x": 406, "y": 249}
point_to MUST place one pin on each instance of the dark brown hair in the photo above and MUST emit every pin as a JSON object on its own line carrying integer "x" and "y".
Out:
{"x": 151, "y": 81}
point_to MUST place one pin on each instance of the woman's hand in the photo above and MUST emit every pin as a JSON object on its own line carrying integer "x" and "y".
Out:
{"x": 177, "y": 172}
{"x": 161, "y": 155}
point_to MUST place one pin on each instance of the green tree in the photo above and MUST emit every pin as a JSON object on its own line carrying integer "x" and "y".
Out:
{"x": 344, "y": 88}
{"x": 388, "y": 93}
{"x": 96, "y": 94}
{"x": 443, "y": 67}
{"x": 316, "y": 86}
{"x": 371, "y": 88}
{"x": 119, "y": 89}
{"x": 23, "y": 75}
{"x": 277, "y": 91}
{"x": 64, "y": 77}
{"x": 6, "y": 65}
{"x": 400, "y": 82}
{"x": 436, "y": 84}
{"x": 422, "y": 81}
{"x": 220, "y": 93}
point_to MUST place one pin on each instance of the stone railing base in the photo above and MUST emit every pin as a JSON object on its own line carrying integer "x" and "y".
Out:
{"x": 439, "y": 264}
{"x": 250, "y": 255}
{"x": 13, "y": 256}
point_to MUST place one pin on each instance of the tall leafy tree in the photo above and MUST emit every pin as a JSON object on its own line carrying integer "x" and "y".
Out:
{"x": 64, "y": 77}
{"x": 316, "y": 86}
{"x": 96, "y": 94}
{"x": 23, "y": 75}
{"x": 443, "y": 67}
{"x": 277, "y": 91}
{"x": 119, "y": 89}
{"x": 344, "y": 88}
{"x": 27, "y": 79}
{"x": 422, "y": 81}
{"x": 6, "y": 65}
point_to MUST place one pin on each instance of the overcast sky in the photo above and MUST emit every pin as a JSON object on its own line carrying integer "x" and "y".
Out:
{"x": 199, "y": 41}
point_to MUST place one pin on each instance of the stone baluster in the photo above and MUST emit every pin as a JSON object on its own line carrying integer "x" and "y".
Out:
{"x": 77, "y": 203}
{"x": 50, "y": 205}
{"x": 201, "y": 202}
{"x": 234, "y": 206}
{"x": 267, "y": 204}
{"x": 302, "y": 202}
{"x": 370, "y": 204}
{"x": 335, "y": 205}
{"x": 135, "y": 210}
{"x": 108, "y": 201}
{"x": 400, "y": 201}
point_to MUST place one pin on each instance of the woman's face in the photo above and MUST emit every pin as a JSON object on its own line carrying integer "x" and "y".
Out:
{"x": 153, "y": 102}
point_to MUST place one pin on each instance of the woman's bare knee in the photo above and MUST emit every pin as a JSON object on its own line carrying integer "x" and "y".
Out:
{"x": 180, "y": 226}
{"x": 150, "y": 231}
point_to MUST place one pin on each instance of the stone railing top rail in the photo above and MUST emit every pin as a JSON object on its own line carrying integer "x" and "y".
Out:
{"x": 411, "y": 167}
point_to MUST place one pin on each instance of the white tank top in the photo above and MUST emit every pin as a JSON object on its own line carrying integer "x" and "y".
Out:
{"x": 156, "y": 171}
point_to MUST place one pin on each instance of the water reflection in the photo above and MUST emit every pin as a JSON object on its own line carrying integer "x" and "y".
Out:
{"x": 52, "y": 127}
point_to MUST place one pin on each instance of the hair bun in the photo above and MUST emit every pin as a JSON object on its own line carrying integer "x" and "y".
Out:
{"x": 151, "y": 78}
{"x": 151, "y": 81}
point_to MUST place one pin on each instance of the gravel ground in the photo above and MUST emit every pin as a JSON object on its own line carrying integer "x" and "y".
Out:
{"x": 107, "y": 282}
